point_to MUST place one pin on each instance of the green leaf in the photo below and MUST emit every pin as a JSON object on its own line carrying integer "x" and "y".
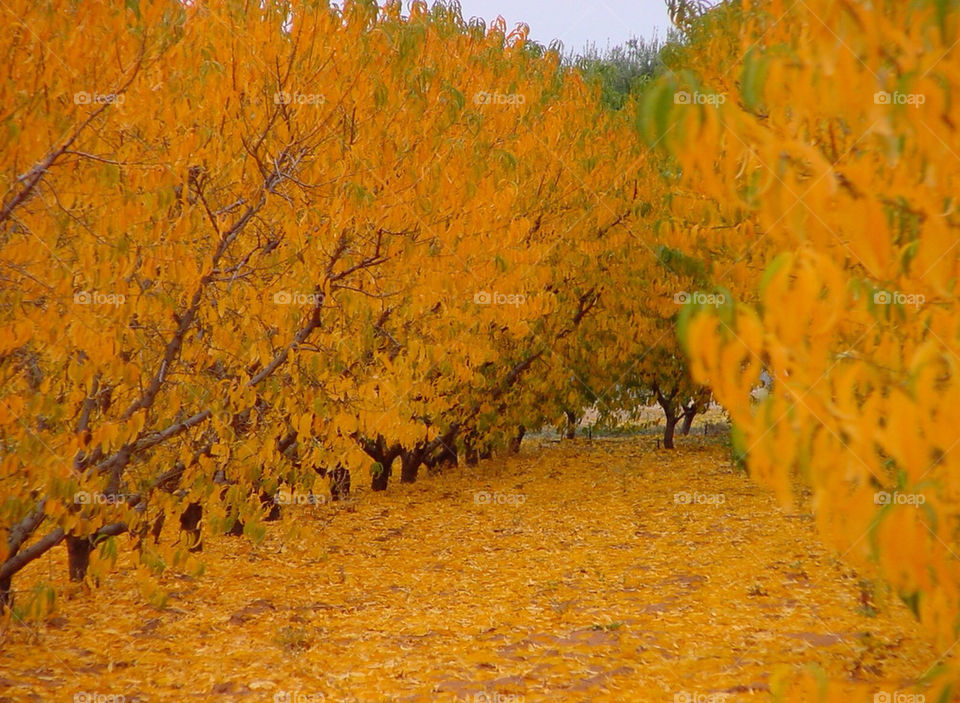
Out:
{"x": 655, "y": 117}
{"x": 752, "y": 79}
{"x": 783, "y": 259}
{"x": 381, "y": 95}
{"x": 686, "y": 314}
{"x": 506, "y": 158}
{"x": 111, "y": 174}
{"x": 912, "y": 601}
{"x": 458, "y": 97}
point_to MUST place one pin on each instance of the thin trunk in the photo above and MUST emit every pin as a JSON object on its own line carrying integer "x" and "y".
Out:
{"x": 155, "y": 531}
{"x": 78, "y": 557}
{"x": 571, "y": 424}
{"x": 269, "y": 503}
{"x": 689, "y": 413}
{"x": 6, "y": 597}
{"x": 190, "y": 523}
{"x": 446, "y": 457}
{"x": 340, "y": 483}
{"x": 668, "y": 431}
{"x": 514, "y": 446}
{"x": 470, "y": 453}
{"x": 668, "y": 404}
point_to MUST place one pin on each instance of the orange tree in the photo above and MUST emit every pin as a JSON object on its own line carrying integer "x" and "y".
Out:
{"x": 492, "y": 353}
{"x": 646, "y": 364}
{"x": 628, "y": 355}
{"x": 264, "y": 238}
{"x": 169, "y": 254}
{"x": 829, "y": 180}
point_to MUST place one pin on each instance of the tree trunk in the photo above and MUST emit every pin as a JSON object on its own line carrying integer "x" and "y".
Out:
{"x": 689, "y": 413}
{"x": 475, "y": 455}
{"x": 446, "y": 457}
{"x": 470, "y": 453}
{"x": 668, "y": 431}
{"x": 6, "y": 597}
{"x": 190, "y": 523}
{"x": 269, "y": 503}
{"x": 340, "y": 483}
{"x": 668, "y": 404}
{"x": 382, "y": 455}
{"x": 157, "y": 528}
{"x": 410, "y": 465}
{"x": 514, "y": 446}
{"x": 381, "y": 477}
{"x": 78, "y": 557}
{"x": 571, "y": 424}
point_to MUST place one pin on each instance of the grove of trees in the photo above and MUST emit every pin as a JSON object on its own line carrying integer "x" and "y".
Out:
{"x": 266, "y": 239}
{"x": 243, "y": 244}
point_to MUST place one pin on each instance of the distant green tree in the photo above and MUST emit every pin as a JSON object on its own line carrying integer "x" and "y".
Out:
{"x": 623, "y": 69}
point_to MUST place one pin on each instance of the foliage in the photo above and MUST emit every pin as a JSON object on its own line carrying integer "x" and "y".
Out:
{"x": 620, "y": 70}
{"x": 260, "y": 241}
{"x": 828, "y": 179}
{"x": 248, "y": 243}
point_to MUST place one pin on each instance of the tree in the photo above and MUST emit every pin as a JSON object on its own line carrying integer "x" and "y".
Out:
{"x": 824, "y": 203}
{"x": 620, "y": 70}
{"x": 244, "y": 259}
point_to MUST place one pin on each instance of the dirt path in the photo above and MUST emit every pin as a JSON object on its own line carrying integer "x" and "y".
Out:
{"x": 568, "y": 573}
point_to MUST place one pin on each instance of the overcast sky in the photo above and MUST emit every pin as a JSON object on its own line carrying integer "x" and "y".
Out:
{"x": 576, "y": 22}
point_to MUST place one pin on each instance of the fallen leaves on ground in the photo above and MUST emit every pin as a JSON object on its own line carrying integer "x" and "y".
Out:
{"x": 587, "y": 570}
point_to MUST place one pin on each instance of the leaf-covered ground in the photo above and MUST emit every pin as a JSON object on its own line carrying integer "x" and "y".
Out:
{"x": 582, "y": 578}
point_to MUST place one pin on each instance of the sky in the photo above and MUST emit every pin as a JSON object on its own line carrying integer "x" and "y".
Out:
{"x": 577, "y": 22}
